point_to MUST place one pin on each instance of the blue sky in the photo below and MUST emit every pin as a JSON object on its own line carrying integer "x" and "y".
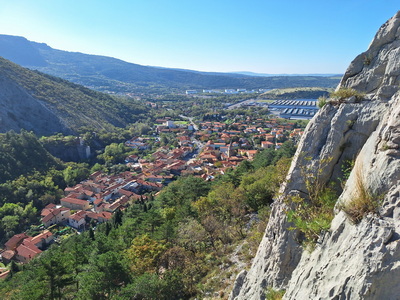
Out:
{"x": 276, "y": 37}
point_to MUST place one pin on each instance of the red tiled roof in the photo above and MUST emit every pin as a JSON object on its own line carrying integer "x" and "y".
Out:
{"x": 78, "y": 215}
{"x": 105, "y": 215}
{"x": 125, "y": 192}
{"x": 74, "y": 201}
{"x": 28, "y": 250}
{"x": 49, "y": 214}
{"x": 98, "y": 201}
{"x": 44, "y": 235}
{"x": 92, "y": 215}
{"x": 13, "y": 241}
{"x": 95, "y": 174}
{"x": 73, "y": 195}
{"x": 115, "y": 205}
{"x": 8, "y": 254}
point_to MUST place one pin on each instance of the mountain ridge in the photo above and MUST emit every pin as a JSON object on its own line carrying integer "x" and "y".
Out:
{"x": 111, "y": 74}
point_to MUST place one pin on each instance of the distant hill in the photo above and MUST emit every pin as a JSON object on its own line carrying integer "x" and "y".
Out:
{"x": 297, "y": 93}
{"x": 268, "y": 75}
{"x": 46, "y": 104}
{"x": 113, "y": 75}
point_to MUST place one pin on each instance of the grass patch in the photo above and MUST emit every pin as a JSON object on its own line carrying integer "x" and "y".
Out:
{"x": 367, "y": 59}
{"x": 385, "y": 146}
{"x": 363, "y": 203}
{"x": 272, "y": 294}
{"x": 312, "y": 216}
{"x": 322, "y": 101}
{"x": 345, "y": 93}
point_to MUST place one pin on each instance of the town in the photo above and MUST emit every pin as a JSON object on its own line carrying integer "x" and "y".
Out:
{"x": 206, "y": 150}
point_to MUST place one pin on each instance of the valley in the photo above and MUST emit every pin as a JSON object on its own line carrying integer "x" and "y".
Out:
{"x": 134, "y": 179}
{"x": 121, "y": 181}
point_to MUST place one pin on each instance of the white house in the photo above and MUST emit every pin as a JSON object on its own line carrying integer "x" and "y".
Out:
{"x": 170, "y": 124}
{"x": 77, "y": 220}
{"x": 191, "y": 92}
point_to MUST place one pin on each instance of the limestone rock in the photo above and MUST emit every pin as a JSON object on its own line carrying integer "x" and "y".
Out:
{"x": 361, "y": 261}
{"x": 18, "y": 109}
{"x": 377, "y": 70}
{"x": 238, "y": 283}
{"x": 351, "y": 261}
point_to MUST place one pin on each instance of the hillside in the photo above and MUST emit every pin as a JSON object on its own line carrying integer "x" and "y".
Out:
{"x": 296, "y": 93}
{"x": 22, "y": 154}
{"x": 109, "y": 74}
{"x": 334, "y": 230}
{"x": 46, "y": 105}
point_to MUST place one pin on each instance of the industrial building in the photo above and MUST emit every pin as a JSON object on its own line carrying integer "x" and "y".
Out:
{"x": 294, "y": 109}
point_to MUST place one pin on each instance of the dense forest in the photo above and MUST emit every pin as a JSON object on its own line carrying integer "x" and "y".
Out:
{"x": 22, "y": 154}
{"x": 173, "y": 246}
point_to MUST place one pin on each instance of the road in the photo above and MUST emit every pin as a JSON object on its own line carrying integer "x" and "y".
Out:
{"x": 237, "y": 105}
{"x": 191, "y": 122}
{"x": 199, "y": 144}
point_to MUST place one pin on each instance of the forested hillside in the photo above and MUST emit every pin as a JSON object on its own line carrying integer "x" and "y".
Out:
{"x": 47, "y": 104}
{"x": 30, "y": 178}
{"x": 22, "y": 154}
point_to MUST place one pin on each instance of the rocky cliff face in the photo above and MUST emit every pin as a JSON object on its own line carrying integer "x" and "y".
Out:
{"x": 350, "y": 261}
{"x": 18, "y": 109}
{"x": 47, "y": 105}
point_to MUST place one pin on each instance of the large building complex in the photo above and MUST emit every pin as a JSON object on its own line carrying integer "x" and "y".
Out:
{"x": 294, "y": 109}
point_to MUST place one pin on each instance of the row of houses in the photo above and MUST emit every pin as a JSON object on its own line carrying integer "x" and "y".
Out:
{"x": 96, "y": 199}
{"x": 61, "y": 214}
{"x": 23, "y": 248}
{"x": 271, "y": 133}
{"x": 225, "y": 91}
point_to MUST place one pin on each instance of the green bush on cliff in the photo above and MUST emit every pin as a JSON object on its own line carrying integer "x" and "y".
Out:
{"x": 314, "y": 215}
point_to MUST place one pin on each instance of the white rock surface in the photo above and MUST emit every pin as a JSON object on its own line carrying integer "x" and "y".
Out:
{"x": 377, "y": 70}
{"x": 18, "y": 110}
{"x": 352, "y": 261}
{"x": 361, "y": 261}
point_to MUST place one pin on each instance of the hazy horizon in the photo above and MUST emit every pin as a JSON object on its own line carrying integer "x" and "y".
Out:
{"x": 289, "y": 37}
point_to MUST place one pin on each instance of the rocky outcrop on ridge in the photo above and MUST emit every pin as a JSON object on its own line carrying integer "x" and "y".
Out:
{"x": 350, "y": 261}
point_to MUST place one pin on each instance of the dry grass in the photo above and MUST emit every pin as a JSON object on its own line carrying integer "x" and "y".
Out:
{"x": 363, "y": 203}
{"x": 322, "y": 101}
{"x": 345, "y": 93}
